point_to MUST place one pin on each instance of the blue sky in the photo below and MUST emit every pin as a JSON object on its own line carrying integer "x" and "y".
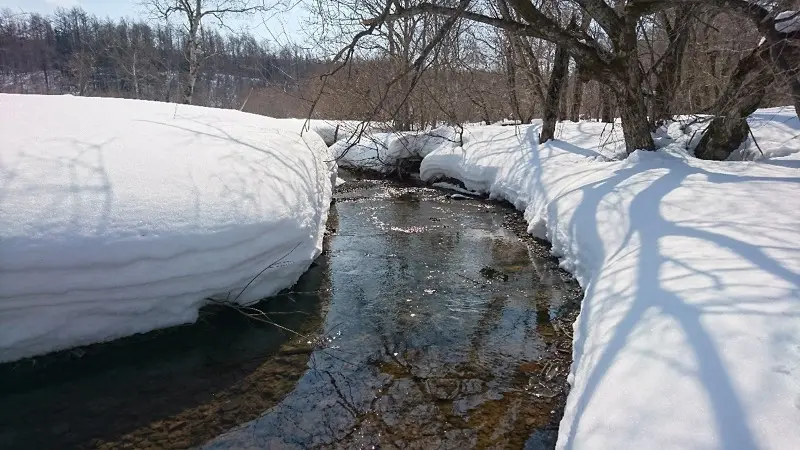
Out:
{"x": 279, "y": 28}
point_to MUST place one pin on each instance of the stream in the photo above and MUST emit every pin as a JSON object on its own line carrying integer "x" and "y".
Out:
{"x": 430, "y": 321}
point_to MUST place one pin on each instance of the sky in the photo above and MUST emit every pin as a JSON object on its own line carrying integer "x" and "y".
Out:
{"x": 281, "y": 27}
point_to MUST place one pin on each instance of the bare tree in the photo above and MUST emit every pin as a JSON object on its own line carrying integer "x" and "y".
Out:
{"x": 555, "y": 91}
{"x": 80, "y": 66}
{"x": 192, "y": 14}
{"x": 610, "y": 52}
{"x": 580, "y": 76}
{"x": 741, "y": 97}
{"x": 668, "y": 73}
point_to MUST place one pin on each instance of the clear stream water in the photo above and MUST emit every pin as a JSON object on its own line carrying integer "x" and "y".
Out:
{"x": 429, "y": 322}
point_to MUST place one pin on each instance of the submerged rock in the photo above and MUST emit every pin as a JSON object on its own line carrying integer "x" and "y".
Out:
{"x": 493, "y": 274}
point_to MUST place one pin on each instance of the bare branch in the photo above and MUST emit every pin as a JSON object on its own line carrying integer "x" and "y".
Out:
{"x": 538, "y": 26}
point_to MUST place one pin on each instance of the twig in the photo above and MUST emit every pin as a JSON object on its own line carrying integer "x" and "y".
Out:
{"x": 755, "y": 141}
{"x": 246, "y": 99}
{"x": 264, "y": 270}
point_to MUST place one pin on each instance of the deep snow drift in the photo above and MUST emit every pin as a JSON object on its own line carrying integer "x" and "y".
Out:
{"x": 689, "y": 332}
{"x": 122, "y": 216}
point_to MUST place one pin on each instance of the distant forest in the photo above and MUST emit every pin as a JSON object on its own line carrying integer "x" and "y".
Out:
{"x": 73, "y": 52}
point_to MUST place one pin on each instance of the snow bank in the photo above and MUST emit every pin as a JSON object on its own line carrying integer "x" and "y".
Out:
{"x": 689, "y": 332}
{"x": 777, "y": 132}
{"x": 787, "y": 22}
{"x": 122, "y": 216}
{"x": 329, "y": 130}
{"x": 382, "y": 151}
{"x": 332, "y": 131}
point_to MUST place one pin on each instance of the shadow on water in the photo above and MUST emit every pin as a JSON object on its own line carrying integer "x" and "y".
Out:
{"x": 445, "y": 326}
{"x": 172, "y": 388}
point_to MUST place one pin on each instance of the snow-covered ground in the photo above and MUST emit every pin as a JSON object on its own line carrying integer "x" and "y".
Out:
{"x": 787, "y": 21}
{"x": 122, "y": 216}
{"x": 333, "y": 131}
{"x": 689, "y": 332}
{"x": 381, "y": 151}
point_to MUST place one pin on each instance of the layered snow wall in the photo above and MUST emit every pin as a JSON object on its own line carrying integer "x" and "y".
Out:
{"x": 123, "y": 216}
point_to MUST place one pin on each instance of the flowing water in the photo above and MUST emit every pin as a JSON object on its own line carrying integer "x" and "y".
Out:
{"x": 429, "y": 322}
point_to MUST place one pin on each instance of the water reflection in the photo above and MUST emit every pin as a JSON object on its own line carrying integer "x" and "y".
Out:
{"x": 429, "y": 324}
{"x": 427, "y": 353}
{"x": 172, "y": 388}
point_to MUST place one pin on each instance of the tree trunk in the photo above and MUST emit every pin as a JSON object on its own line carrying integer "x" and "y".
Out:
{"x": 577, "y": 95}
{"x": 511, "y": 80}
{"x": 192, "y": 55}
{"x": 190, "y": 76}
{"x": 532, "y": 72}
{"x": 707, "y": 91}
{"x": 635, "y": 125}
{"x": 668, "y": 75}
{"x": 522, "y": 52}
{"x": 632, "y": 105}
{"x": 46, "y": 75}
{"x": 606, "y": 104}
{"x": 168, "y": 88}
{"x": 563, "y": 101}
{"x": 742, "y": 95}
{"x": 554, "y": 90}
{"x": 581, "y": 75}
{"x": 403, "y": 117}
{"x": 135, "y": 78}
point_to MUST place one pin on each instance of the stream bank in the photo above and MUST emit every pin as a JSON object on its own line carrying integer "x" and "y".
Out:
{"x": 430, "y": 320}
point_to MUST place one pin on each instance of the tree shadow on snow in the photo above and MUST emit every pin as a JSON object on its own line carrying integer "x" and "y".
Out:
{"x": 124, "y": 390}
{"x": 647, "y": 223}
{"x": 270, "y": 169}
{"x": 77, "y": 184}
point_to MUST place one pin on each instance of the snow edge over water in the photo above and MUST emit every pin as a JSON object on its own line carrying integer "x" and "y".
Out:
{"x": 124, "y": 216}
{"x": 687, "y": 336}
